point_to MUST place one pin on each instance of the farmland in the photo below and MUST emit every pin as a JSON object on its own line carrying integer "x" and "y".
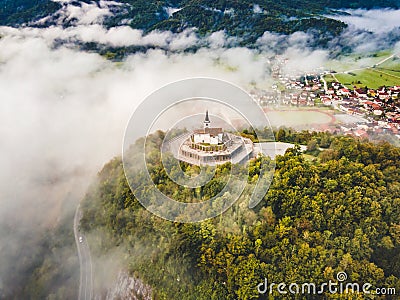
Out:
{"x": 372, "y": 78}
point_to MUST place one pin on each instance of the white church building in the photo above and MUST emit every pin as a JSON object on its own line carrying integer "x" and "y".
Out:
{"x": 212, "y": 146}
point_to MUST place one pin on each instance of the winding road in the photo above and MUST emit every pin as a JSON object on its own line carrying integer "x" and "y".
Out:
{"x": 85, "y": 260}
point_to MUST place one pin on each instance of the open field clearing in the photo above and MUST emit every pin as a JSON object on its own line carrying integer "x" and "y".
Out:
{"x": 357, "y": 61}
{"x": 391, "y": 67}
{"x": 372, "y": 78}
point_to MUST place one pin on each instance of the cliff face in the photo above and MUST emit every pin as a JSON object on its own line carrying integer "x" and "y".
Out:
{"x": 127, "y": 287}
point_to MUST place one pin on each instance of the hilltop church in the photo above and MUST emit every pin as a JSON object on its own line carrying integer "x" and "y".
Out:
{"x": 208, "y": 135}
{"x": 212, "y": 146}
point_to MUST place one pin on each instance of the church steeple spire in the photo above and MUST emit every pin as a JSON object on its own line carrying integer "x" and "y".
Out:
{"x": 207, "y": 120}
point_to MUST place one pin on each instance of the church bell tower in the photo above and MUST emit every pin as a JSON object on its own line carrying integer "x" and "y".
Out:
{"x": 207, "y": 121}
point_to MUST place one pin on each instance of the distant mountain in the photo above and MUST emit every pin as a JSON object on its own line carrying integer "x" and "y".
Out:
{"x": 247, "y": 19}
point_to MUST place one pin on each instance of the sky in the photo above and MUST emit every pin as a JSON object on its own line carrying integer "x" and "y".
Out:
{"x": 63, "y": 111}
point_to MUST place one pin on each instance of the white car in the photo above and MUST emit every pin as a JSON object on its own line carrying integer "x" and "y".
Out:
{"x": 80, "y": 239}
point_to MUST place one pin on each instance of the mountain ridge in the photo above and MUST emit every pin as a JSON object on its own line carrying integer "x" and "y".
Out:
{"x": 246, "y": 20}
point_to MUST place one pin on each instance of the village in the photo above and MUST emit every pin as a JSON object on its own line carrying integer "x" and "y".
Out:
{"x": 368, "y": 111}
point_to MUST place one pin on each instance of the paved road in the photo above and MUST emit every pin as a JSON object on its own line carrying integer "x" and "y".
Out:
{"x": 387, "y": 58}
{"x": 325, "y": 83}
{"x": 85, "y": 261}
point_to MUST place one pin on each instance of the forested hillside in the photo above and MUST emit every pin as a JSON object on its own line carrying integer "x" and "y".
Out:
{"x": 327, "y": 212}
{"x": 245, "y": 19}
{"x": 48, "y": 269}
{"x": 16, "y": 12}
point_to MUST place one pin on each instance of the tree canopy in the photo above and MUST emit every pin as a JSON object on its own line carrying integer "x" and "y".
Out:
{"x": 337, "y": 213}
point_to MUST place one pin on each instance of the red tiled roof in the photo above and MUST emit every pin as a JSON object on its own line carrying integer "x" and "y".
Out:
{"x": 213, "y": 131}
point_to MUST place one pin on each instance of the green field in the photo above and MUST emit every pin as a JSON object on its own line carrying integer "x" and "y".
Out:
{"x": 329, "y": 78}
{"x": 391, "y": 67}
{"x": 357, "y": 60}
{"x": 387, "y": 73}
{"x": 372, "y": 78}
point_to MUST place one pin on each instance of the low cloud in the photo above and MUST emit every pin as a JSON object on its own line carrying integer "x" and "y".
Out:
{"x": 257, "y": 9}
{"x": 121, "y": 36}
{"x": 368, "y": 30}
{"x": 82, "y": 13}
{"x": 217, "y": 40}
{"x": 304, "y": 60}
{"x": 374, "y": 20}
{"x": 171, "y": 10}
{"x": 63, "y": 111}
{"x": 63, "y": 114}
